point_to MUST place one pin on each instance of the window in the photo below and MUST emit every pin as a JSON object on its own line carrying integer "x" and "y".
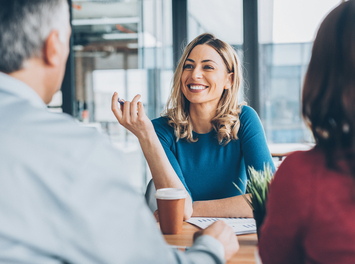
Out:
{"x": 286, "y": 31}
{"x": 126, "y": 46}
{"x": 224, "y": 20}
{"x": 123, "y": 47}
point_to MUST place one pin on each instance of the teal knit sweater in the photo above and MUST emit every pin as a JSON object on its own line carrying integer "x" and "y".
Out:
{"x": 208, "y": 169}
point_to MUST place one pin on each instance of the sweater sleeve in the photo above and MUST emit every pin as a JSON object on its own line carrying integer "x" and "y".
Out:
{"x": 167, "y": 139}
{"x": 253, "y": 142}
{"x": 288, "y": 209}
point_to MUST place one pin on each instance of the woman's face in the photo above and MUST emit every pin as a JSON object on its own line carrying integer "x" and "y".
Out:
{"x": 204, "y": 76}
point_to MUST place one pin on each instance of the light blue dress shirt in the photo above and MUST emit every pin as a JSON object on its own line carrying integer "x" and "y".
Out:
{"x": 63, "y": 198}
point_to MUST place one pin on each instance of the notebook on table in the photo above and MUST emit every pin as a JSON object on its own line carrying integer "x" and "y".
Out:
{"x": 240, "y": 226}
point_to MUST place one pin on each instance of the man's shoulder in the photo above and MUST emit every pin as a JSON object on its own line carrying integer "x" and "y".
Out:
{"x": 60, "y": 132}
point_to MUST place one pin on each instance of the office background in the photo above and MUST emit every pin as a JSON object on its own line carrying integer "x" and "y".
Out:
{"x": 133, "y": 46}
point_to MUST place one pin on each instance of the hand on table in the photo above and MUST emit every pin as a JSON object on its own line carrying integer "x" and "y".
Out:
{"x": 224, "y": 234}
{"x": 131, "y": 115}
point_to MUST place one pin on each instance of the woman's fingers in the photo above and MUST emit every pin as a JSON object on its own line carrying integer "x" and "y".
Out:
{"x": 126, "y": 111}
{"x": 131, "y": 115}
{"x": 134, "y": 106}
{"x": 115, "y": 107}
{"x": 140, "y": 110}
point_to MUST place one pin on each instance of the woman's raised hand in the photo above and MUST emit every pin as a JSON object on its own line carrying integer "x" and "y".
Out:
{"x": 131, "y": 115}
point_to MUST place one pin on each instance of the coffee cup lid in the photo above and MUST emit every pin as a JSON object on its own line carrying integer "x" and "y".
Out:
{"x": 170, "y": 193}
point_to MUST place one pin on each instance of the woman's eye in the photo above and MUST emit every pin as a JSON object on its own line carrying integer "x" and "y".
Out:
{"x": 188, "y": 66}
{"x": 208, "y": 67}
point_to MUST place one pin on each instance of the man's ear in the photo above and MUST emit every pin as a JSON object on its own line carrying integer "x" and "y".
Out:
{"x": 229, "y": 82}
{"x": 52, "y": 49}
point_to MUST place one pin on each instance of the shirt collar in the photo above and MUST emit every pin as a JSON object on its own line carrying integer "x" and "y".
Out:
{"x": 20, "y": 89}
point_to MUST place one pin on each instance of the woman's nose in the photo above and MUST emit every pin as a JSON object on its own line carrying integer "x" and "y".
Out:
{"x": 197, "y": 73}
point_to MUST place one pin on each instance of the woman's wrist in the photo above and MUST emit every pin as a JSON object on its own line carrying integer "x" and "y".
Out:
{"x": 147, "y": 136}
{"x": 144, "y": 132}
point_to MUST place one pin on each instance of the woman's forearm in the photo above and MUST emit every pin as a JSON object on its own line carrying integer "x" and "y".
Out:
{"x": 229, "y": 207}
{"x": 132, "y": 116}
{"x": 163, "y": 174}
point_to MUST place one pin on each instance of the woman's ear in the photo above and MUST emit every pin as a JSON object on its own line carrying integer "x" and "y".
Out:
{"x": 229, "y": 81}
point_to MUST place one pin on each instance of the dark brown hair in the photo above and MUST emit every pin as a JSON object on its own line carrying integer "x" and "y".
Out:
{"x": 329, "y": 89}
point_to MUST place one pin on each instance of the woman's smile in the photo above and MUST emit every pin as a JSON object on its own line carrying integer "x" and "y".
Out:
{"x": 196, "y": 88}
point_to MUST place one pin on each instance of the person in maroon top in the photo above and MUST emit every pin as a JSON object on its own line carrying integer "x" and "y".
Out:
{"x": 311, "y": 204}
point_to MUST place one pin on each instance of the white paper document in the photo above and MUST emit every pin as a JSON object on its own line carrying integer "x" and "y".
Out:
{"x": 240, "y": 226}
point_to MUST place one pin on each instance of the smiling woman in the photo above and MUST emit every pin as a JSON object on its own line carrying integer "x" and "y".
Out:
{"x": 203, "y": 81}
{"x": 213, "y": 64}
{"x": 205, "y": 140}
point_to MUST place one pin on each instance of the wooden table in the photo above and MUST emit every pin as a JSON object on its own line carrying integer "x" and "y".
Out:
{"x": 247, "y": 243}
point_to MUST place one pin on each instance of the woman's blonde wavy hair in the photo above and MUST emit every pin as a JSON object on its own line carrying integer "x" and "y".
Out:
{"x": 226, "y": 122}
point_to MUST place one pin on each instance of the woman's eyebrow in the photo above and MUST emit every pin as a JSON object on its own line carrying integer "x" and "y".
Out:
{"x": 209, "y": 61}
{"x": 204, "y": 61}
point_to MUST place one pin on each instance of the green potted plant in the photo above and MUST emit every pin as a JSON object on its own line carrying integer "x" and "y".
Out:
{"x": 257, "y": 187}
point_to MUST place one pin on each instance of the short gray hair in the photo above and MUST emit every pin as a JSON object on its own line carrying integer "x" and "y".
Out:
{"x": 25, "y": 26}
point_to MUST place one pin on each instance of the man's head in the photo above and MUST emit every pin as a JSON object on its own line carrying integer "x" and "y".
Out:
{"x": 34, "y": 36}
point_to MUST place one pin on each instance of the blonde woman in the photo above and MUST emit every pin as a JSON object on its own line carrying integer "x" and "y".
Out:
{"x": 205, "y": 140}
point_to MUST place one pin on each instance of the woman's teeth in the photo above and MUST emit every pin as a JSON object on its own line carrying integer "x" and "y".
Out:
{"x": 197, "y": 87}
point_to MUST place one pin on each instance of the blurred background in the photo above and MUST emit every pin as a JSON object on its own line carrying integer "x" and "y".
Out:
{"x": 133, "y": 46}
